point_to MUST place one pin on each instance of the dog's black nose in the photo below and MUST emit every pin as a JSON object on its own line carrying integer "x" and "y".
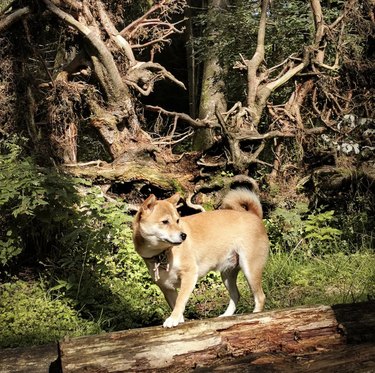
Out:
{"x": 183, "y": 236}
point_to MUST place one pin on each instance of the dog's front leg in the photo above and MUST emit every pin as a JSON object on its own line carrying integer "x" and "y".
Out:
{"x": 170, "y": 296}
{"x": 188, "y": 282}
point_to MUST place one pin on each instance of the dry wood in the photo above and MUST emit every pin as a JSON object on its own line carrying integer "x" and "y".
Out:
{"x": 344, "y": 359}
{"x": 8, "y": 20}
{"x": 302, "y": 337}
{"x": 36, "y": 359}
{"x": 130, "y": 172}
{"x": 309, "y": 339}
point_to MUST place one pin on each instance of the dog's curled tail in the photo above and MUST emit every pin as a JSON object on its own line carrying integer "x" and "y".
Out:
{"x": 242, "y": 200}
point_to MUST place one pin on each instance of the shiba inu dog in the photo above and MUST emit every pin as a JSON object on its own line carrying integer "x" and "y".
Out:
{"x": 179, "y": 250}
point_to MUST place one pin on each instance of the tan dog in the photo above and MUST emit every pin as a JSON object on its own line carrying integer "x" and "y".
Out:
{"x": 180, "y": 250}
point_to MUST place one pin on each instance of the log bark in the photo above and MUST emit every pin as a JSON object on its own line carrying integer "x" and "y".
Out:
{"x": 305, "y": 338}
{"x": 164, "y": 178}
{"x": 36, "y": 359}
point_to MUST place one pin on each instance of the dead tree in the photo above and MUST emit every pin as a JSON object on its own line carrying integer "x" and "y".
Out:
{"x": 98, "y": 79}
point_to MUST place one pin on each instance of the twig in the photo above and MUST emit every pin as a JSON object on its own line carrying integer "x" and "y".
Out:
{"x": 168, "y": 140}
{"x": 196, "y": 123}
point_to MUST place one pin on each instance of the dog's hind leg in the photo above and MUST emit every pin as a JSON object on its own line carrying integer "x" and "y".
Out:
{"x": 252, "y": 270}
{"x": 229, "y": 278}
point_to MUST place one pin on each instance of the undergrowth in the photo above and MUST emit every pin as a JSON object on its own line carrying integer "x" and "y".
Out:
{"x": 68, "y": 266}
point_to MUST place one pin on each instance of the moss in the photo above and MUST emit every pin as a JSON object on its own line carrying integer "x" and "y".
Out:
{"x": 178, "y": 188}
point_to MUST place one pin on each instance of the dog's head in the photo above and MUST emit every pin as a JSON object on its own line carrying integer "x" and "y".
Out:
{"x": 158, "y": 221}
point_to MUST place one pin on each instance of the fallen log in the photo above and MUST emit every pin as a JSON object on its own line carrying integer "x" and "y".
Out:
{"x": 315, "y": 339}
{"x": 305, "y": 338}
{"x": 130, "y": 172}
{"x": 35, "y": 359}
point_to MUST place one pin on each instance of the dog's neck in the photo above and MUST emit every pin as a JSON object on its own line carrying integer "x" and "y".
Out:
{"x": 161, "y": 258}
{"x": 159, "y": 254}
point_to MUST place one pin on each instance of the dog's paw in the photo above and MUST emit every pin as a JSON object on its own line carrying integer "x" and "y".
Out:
{"x": 171, "y": 322}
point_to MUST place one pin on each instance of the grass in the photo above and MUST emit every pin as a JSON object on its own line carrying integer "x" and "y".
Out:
{"x": 30, "y": 314}
{"x": 98, "y": 283}
{"x": 295, "y": 279}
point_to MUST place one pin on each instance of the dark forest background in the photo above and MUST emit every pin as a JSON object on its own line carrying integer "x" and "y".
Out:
{"x": 104, "y": 102}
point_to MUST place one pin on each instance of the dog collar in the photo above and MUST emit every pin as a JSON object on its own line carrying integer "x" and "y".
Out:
{"x": 160, "y": 262}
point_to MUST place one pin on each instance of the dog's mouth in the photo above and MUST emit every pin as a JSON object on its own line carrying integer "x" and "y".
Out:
{"x": 176, "y": 242}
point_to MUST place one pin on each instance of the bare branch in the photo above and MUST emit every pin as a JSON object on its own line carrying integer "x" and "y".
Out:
{"x": 245, "y": 135}
{"x": 135, "y": 23}
{"x": 12, "y": 18}
{"x": 111, "y": 79}
{"x": 290, "y": 73}
{"x": 69, "y": 19}
{"x": 192, "y": 205}
{"x": 146, "y": 74}
{"x": 69, "y": 4}
{"x": 168, "y": 29}
{"x": 112, "y": 32}
{"x": 258, "y": 57}
{"x": 196, "y": 123}
{"x": 173, "y": 140}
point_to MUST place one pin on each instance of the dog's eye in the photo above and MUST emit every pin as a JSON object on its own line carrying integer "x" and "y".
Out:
{"x": 165, "y": 222}
{"x": 178, "y": 221}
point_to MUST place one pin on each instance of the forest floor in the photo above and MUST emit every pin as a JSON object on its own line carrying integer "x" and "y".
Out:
{"x": 32, "y": 314}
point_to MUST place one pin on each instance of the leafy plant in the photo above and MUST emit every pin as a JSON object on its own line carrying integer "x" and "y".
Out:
{"x": 33, "y": 203}
{"x": 79, "y": 242}
{"x": 319, "y": 232}
{"x": 292, "y": 229}
{"x": 29, "y": 315}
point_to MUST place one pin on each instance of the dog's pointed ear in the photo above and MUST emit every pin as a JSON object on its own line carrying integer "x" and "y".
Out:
{"x": 174, "y": 199}
{"x": 149, "y": 203}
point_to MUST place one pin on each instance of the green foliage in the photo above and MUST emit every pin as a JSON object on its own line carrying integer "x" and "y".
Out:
{"x": 31, "y": 198}
{"x": 84, "y": 275}
{"x": 289, "y": 29}
{"x": 29, "y": 315}
{"x": 311, "y": 262}
{"x": 318, "y": 227}
{"x": 79, "y": 242}
{"x": 292, "y": 279}
{"x": 292, "y": 229}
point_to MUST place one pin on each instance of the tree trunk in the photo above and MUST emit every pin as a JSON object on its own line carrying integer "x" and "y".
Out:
{"x": 191, "y": 62}
{"x": 212, "y": 92}
{"x": 303, "y": 338}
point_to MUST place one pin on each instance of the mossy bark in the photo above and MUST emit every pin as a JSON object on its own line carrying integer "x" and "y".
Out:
{"x": 212, "y": 94}
{"x": 132, "y": 172}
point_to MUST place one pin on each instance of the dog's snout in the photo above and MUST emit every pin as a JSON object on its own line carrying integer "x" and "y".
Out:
{"x": 183, "y": 236}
